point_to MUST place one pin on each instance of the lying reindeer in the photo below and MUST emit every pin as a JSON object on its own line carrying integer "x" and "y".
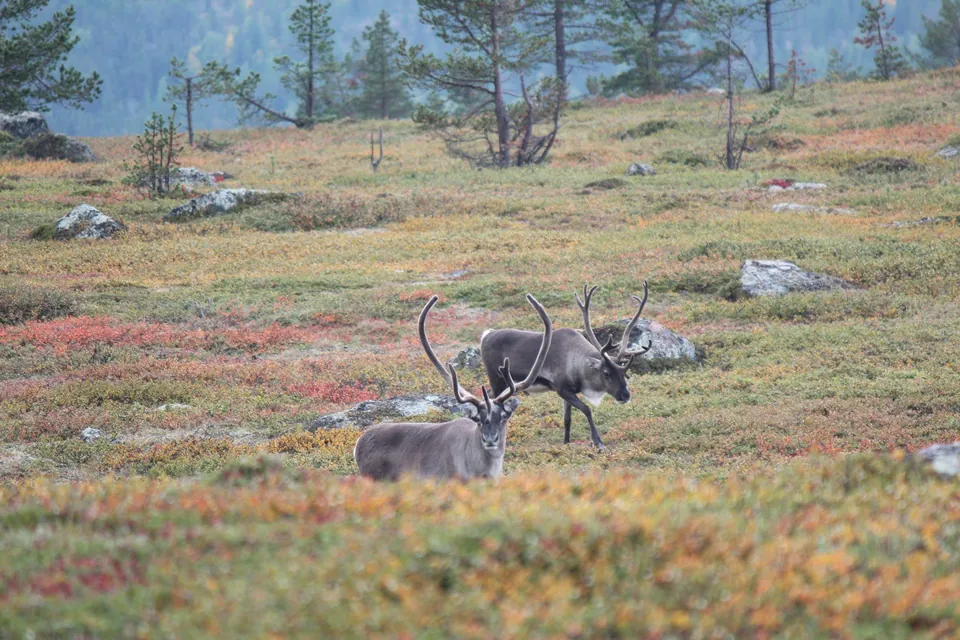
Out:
{"x": 462, "y": 448}
{"x": 575, "y": 364}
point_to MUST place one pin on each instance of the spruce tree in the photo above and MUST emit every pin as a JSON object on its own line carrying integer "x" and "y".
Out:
{"x": 33, "y": 70}
{"x": 189, "y": 89}
{"x": 384, "y": 93}
{"x": 310, "y": 25}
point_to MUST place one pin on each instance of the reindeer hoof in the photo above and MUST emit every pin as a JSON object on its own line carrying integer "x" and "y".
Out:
{"x": 600, "y": 446}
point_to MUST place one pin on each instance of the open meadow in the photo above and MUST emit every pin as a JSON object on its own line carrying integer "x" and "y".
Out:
{"x": 766, "y": 490}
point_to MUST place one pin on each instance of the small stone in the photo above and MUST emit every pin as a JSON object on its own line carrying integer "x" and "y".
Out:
{"x": 716, "y": 91}
{"x": 173, "y": 406}
{"x": 792, "y": 207}
{"x": 90, "y": 434}
{"x": 638, "y": 169}
{"x": 86, "y": 222}
{"x": 779, "y": 277}
{"x": 949, "y": 153}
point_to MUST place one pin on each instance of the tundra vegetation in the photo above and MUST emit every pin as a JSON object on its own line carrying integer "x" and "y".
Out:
{"x": 765, "y": 490}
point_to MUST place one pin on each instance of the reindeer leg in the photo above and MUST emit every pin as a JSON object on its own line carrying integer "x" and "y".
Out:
{"x": 566, "y": 422}
{"x": 585, "y": 410}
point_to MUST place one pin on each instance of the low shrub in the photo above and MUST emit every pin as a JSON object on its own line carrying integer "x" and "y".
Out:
{"x": 685, "y": 158}
{"x": 20, "y": 303}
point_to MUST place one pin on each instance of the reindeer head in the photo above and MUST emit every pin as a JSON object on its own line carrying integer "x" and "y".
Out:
{"x": 609, "y": 373}
{"x": 492, "y": 413}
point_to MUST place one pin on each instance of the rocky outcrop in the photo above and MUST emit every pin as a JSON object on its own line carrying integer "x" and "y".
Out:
{"x": 23, "y": 125}
{"x": 942, "y": 458}
{"x": 372, "y": 412}
{"x": 222, "y": 201}
{"x": 90, "y": 434}
{"x": 902, "y": 224}
{"x": 792, "y": 207}
{"x": 638, "y": 169}
{"x": 788, "y": 185}
{"x": 779, "y": 277}
{"x": 86, "y": 222}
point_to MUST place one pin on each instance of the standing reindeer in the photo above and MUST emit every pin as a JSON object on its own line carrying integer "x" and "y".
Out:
{"x": 461, "y": 448}
{"x": 575, "y": 364}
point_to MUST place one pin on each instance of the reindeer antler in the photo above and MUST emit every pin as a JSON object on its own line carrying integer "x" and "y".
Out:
{"x": 622, "y": 352}
{"x": 451, "y": 377}
{"x": 585, "y": 308}
{"x": 514, "y": 388}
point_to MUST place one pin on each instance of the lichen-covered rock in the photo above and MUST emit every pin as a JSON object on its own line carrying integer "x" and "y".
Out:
{"x": 23, "y": 125}
{"x": 793, "y": 207}
{"x": 638, "y": 169}
{"x": 192, "y": 176}
{"x": 902, "y": 224}
{"x": 797, "y": 186}
{"x": 949, "y": 153}
{"x": 779, "y": 277}
{"x": 222, "y": 201}
{"x": 666, "y": 346}
{"x": 372, "y": 412}
{"x": 90, "y": 434}
{"x": 86, "y": 222}
{"x": 469, "y": 358}
{"x": 943, "y": 458}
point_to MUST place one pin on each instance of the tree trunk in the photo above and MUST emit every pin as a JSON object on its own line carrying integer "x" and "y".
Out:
{"x": 190, "y": 111}
{"x": 499, "y": 104}
{"x": 731, "y": 158}
{"x": 771, "y": 62}
{"x": 310, "y": 97}
{"x": 885, "y": 68}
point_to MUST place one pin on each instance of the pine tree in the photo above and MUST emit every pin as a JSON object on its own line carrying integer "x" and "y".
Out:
{"x": 488, "y": 45}
{"x": 875, "y": 31}
{"x": 189, "y": 89}
{"x": 33, "y": 71}
{"x": 942, "y": 36}
{"x": 384, "y": 93}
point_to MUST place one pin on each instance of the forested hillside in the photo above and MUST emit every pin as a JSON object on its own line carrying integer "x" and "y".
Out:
{"x": 130, "y": 44}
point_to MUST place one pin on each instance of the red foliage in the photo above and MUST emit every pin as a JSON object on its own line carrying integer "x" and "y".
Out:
{"x": 335, "y": 392}
{"x": 70, "y": 333}
{"x": 783, "y": 183}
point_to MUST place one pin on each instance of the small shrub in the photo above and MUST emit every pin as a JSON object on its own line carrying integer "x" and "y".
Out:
{"x": 19, "y": 303}
{"x": 606, "y": 184}
{"x": 685, "y": 158}
{"x": 157, "y": 150}
{"x": 10, "y": 147}
{"x": 648, "y": 128}
{"x": 885, "y": 165}
{"x": 46, "y": 146}
{"x": 44, "y": 232}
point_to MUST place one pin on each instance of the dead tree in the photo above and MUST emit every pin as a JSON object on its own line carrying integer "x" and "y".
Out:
{"x": 375, "y": 162}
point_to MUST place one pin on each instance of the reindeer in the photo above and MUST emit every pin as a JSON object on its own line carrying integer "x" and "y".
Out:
{"x": 462, "y": 448}
{"x": 575, "y": 364}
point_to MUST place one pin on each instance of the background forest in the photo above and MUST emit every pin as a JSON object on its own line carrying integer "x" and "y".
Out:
{"x": 131, "y": 44}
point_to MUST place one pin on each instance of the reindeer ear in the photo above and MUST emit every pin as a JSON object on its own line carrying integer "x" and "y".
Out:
{"x": 595, "y": 364}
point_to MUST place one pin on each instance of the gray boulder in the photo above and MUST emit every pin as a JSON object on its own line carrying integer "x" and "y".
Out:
{"x": 779, "y": 277}
{"x": 797, "y": 186}
{"x": 372, "y": 412}
{"x": 715, "y": 91}
{"x": 637, "y": 169}
{"x": 667, "y": 346}
{"x": 942, "y": 458}
{"x": 902, "y": 224}
{"x": 86, "y": 222}
{"x": 23, "y": 125}
{"x": 53, "y": 146}
{"x": 90, "y": 434}
{"x": 221, "y": 201}
{"x": 792, "y": 207}
{"x": 949, "y": 153}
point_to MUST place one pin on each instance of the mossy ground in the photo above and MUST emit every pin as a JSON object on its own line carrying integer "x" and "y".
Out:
{"x": 257, "y": 322}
